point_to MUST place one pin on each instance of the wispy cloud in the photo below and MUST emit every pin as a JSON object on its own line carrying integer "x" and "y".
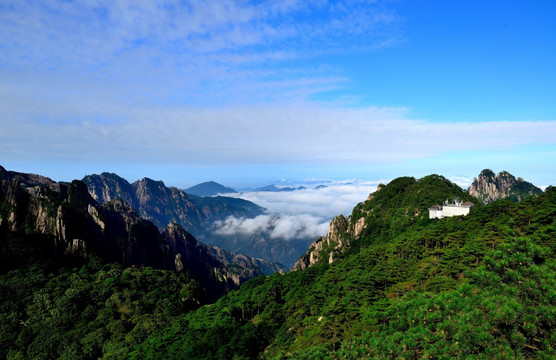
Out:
{"x": 186, "y": 51}
{"x": 338, "y": 197}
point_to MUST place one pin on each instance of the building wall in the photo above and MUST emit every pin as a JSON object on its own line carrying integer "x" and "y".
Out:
{"x": 448, "y": 211}
{"x": 451, "y": 210}
{"x": 435, "y": 214}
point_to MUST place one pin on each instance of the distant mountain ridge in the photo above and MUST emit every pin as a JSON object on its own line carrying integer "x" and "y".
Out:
{"x": 198, "y": 215}
{"x": 27, "y": 180}
{"x": 488, "y": 187}
{"x": 209, "y": 188}
{"x": 163, "y": 205}
{"x": 274, "y": 188}
{"x": 74, "y": 224}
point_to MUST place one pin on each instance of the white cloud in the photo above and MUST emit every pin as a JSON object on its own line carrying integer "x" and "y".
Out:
{"x": 247, "y": 135}
{"x": 300, "y": 214}
{"x": 287, "y": 227}
{"x": 326, "y": 203}
{"x": 463, "y": 181}
{"x": 184, "y": 49}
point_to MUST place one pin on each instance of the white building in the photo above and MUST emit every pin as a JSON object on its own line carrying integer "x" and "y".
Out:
{"x": 448, "y": 210}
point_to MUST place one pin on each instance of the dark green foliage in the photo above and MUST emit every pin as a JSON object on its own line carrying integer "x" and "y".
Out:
{"x": 507, "y": 311}
{"x": 96, "y": 310}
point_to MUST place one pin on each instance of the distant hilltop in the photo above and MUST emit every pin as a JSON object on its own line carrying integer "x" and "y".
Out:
{"x": 209, "y": 188}
{"x": 274, "y": 188}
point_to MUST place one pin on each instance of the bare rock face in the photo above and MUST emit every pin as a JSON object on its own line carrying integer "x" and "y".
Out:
{"x": 489, "y": 187}
{"x": 78, "y": 248}
{"x": 326, "y": 246}
{"x": 163, "y": 205}
{"x": 359, "y": 226}
{"x": 109, "y": 186}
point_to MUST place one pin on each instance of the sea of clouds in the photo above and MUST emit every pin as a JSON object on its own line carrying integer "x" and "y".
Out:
{"x": 300, "y": 214}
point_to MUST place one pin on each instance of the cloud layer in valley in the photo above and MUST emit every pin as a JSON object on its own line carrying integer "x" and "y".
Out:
{"x": 300, "y": 214}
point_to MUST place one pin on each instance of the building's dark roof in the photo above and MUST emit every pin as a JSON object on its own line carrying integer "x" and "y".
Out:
{"x": 435, "y": 207}
{"x": 467, "y": 204}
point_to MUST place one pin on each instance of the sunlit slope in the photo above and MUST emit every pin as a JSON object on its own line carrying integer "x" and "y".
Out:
{"x": 402, "y": 264}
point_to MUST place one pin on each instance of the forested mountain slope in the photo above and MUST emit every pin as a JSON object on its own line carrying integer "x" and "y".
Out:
{"x": 406, "y": 286}
{"x": 389, "y": 211}
{"x": 83, "y": 280}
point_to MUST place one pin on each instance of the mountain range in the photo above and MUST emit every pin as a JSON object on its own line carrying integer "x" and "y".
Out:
{"x": 74, "y": 224}
{"x": 386, "y": 282}
{"x": 198, "y": 215}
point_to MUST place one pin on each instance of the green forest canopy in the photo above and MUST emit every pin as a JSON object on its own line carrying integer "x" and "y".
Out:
{"x": 480, "y": 286}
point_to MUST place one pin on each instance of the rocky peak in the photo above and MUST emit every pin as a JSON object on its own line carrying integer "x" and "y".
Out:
{"x": 25, "y": 180}
{"x": 489, "y": 187}
{"x": 108, "y": 186}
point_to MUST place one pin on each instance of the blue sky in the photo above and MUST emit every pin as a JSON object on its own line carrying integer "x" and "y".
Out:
{"x": 250, "y": 92}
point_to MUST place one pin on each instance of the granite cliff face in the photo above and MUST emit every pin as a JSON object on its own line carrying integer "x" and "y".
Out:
{"x": 163, "y": 205}
{"x": 74, "y": 224}
{"x": 340, "y": 233}
{"x": 489, "y": 187}
{"x": 326, "y": 247}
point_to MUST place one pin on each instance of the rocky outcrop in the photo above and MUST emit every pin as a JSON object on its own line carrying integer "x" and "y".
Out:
{"x": 109, "y": 186}
{"x": 76, "y": 225}
{"x": 489, "y": 187}
{"x": 328, "y": 246}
